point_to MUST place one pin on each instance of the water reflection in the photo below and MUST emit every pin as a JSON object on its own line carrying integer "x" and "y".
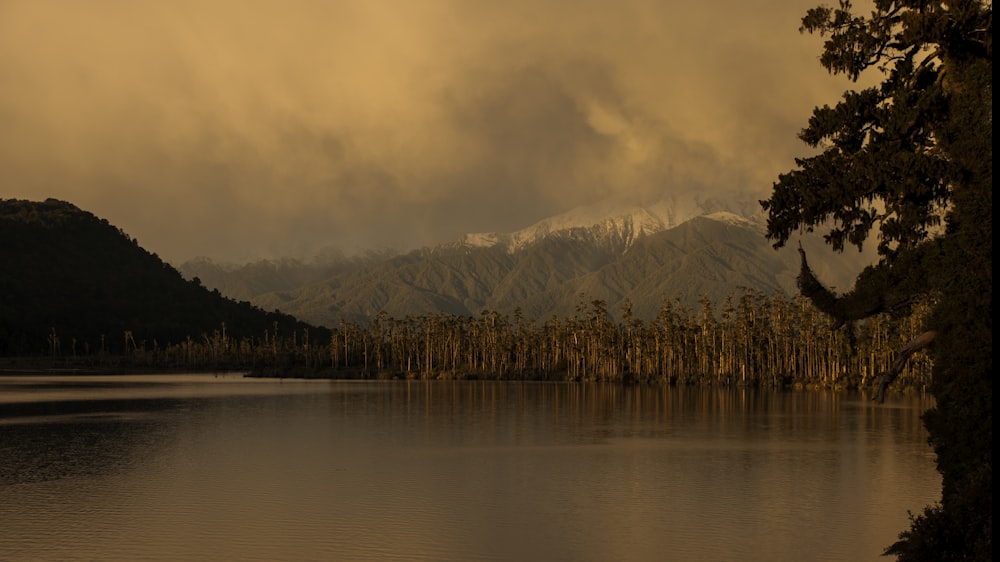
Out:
{"x": 198, "y": 468}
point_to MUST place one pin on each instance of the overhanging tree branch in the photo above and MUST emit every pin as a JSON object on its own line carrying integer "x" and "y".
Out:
{"x": 883, "y": 381}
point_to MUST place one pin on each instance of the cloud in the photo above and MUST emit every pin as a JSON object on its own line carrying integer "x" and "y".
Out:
{"x": 242, "y": 129}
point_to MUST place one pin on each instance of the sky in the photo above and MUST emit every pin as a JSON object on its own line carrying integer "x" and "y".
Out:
{"x": 248, "y": 129}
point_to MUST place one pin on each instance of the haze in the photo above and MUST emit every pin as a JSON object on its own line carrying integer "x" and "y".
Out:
{"x": 253, "y": 129}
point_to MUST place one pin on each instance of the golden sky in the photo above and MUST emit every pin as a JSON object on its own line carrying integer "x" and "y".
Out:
{"x": 239, "y": 129}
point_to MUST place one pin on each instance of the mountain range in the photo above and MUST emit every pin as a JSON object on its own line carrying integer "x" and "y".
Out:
{"x": 636, "y": 255}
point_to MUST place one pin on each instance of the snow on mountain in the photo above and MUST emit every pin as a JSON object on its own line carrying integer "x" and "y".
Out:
{"x": 755, "y": 222}
{"x": 608, "y": 219}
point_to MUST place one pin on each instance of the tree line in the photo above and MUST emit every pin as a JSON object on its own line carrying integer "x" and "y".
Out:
{"x": 757, "y": 339}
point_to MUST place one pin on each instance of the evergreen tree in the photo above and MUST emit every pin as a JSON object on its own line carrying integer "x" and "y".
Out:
{"x": 908, "y": 162}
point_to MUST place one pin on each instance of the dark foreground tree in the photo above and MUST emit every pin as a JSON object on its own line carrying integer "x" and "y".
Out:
{"x": 909, "y": 163}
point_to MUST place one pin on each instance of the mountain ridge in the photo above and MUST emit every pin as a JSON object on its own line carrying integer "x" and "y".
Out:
{"x": 542, "y": 273}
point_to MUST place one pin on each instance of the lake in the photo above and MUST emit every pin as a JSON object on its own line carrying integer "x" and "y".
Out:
{"x": 222, "y": 467}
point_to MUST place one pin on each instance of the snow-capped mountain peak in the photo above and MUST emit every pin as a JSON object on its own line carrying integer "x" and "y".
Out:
{"x": 735, "y": 219}
{"x": 623, "y": 223}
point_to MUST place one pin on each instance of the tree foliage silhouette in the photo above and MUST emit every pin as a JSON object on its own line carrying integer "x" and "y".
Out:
{"x": 907, "y": 163}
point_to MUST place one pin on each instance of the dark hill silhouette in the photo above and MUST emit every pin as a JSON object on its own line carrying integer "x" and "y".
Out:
{"x": 71, "y": 279}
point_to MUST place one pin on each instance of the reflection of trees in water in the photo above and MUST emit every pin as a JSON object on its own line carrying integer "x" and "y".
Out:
{"x": 47, "y": 441}
{"x": 496, "y": 410}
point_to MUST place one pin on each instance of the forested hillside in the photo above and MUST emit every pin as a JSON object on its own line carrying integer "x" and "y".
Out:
{"x": 73, "y": 284}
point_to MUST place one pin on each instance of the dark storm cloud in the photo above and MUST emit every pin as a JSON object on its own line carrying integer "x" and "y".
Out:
{"x": 238, "y": 129}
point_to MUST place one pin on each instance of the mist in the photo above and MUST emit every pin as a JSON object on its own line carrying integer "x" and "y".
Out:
{"x": 240, "y": 130}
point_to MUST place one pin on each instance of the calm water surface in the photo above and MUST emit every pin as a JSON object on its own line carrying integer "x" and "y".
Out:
{"x": 203, "y": 467}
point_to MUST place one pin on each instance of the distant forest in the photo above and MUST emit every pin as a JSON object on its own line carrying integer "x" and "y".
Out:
{"x": 79, "y": 293}
{"x": 758, "y": 341}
